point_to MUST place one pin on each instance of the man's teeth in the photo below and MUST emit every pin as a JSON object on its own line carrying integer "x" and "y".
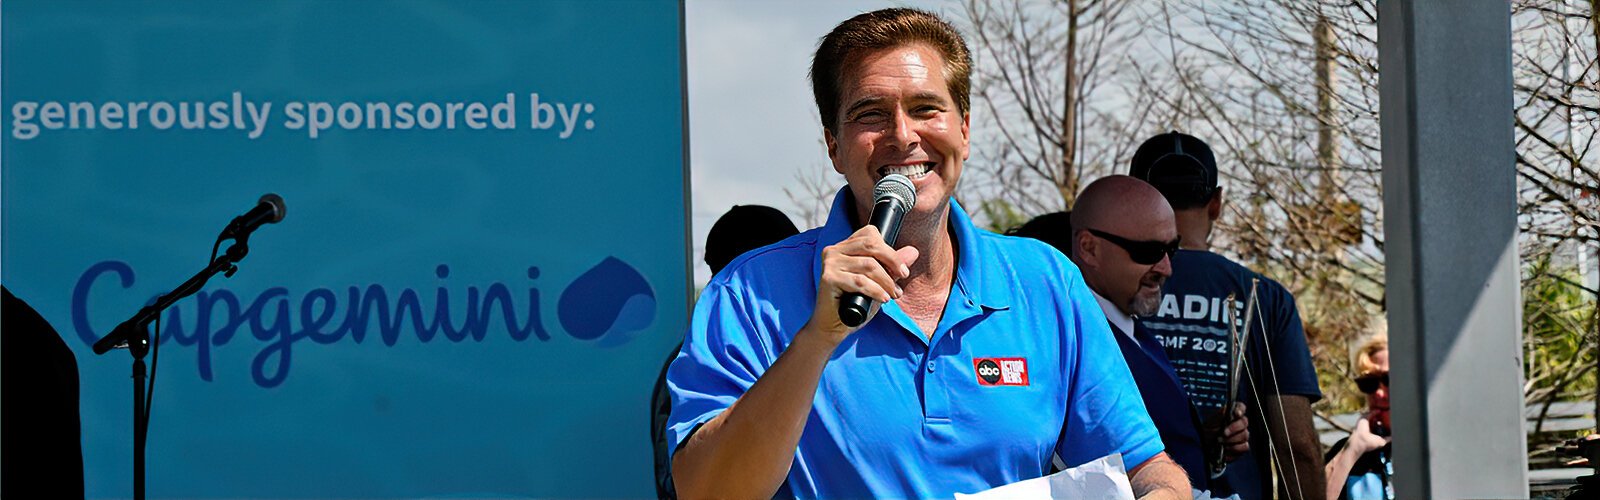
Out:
{"x": 913, "y": 171}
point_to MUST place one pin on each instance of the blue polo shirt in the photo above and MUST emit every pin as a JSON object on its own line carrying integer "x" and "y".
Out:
{"x": 1021, "y": 366}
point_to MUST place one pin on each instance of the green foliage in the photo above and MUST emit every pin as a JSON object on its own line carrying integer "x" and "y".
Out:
{"x": 1559, "y": 324}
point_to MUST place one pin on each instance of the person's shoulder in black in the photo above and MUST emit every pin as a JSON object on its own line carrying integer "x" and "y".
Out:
{"x": 43, "y": 455}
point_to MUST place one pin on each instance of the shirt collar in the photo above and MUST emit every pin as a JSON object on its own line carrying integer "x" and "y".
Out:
{"x": 1119, "y": 319}
{"x": 970, "y": 284}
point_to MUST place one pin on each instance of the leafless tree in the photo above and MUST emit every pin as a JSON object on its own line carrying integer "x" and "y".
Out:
{"x": 812, "y": 193}
{"x": 1557, "y": 81}
{"x": 1047, "y": 76}
{"x": 1286, "y": 91}
{"x": 1289, "y": 90}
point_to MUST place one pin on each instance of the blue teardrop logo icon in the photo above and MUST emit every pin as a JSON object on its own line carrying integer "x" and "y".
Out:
{"x": 610, "y": 302}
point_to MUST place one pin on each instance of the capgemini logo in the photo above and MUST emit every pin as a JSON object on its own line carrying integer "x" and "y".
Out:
{"x": 611, "y": 302}
{"x": 609, "y": 305}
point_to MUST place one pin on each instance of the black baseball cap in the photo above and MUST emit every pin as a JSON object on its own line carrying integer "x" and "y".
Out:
{"x": 1179, "y": 165}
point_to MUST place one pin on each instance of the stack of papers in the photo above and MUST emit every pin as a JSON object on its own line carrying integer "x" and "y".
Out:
{"x": 1102, "y": 479}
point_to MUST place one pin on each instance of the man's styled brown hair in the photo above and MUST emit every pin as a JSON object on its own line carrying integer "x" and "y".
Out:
{"x": 886, "y": 29}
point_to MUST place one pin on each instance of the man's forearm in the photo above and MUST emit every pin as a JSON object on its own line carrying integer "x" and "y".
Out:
{"x": 1299, "y": 448}
{"x": 1159, "y": 478}
{"x": 746, "y": 451}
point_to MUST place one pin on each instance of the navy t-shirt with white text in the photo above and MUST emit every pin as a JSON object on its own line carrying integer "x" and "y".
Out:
{"x": 1192, "y": 326}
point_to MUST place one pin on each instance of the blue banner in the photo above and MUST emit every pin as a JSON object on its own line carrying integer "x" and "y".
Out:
{"x": 483, "y": 265}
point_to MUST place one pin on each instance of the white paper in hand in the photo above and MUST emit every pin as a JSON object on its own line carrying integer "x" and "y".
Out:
{"x": 1102, "y": 479}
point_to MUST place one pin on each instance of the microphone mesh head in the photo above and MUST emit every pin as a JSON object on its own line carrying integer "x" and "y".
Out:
{"x": 895, "y": 186}
{"x": 279, "y": 210}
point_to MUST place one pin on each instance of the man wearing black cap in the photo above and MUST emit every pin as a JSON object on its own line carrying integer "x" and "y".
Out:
{"x": 1278, "y": 382}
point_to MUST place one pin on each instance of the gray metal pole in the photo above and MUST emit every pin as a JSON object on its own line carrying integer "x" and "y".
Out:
{"x": 1449, "y": 185}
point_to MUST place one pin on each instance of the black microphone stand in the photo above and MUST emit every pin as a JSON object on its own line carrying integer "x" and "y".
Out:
{"x": 135, "y": 335}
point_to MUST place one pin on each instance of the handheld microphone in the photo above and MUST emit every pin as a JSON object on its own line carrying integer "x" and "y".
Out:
{"x": 893, "y": 196}
{"x": 269, "y": 210}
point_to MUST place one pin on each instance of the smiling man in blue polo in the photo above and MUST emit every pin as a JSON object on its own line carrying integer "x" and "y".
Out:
{"x": 988, "y": 357}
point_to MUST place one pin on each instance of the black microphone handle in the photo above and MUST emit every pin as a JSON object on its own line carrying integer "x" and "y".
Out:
{"x": 886, "y": 216}
{"x": 257, "y": 216}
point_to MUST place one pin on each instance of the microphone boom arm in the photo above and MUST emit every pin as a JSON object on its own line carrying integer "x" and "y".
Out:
{"x": 134, "y": 333}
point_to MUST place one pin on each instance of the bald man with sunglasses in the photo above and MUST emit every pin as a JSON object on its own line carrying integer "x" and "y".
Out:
{"x": 1123, "y": 235}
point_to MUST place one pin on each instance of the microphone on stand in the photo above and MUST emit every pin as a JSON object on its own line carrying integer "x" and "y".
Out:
{"x": 893, "y": 197}
{"x": 133, "y": 332}
{"x": 269, "y": 210}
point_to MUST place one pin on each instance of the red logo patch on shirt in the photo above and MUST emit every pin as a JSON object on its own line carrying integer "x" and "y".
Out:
{"x": 1001, "y": 371}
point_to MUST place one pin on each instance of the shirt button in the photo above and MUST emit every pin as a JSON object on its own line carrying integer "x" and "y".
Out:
{"x": 930, "y": 367}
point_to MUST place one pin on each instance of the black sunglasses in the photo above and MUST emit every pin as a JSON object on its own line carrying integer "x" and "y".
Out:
{"x": 1369, "y": 383}
{"x": 1147, "y": 253}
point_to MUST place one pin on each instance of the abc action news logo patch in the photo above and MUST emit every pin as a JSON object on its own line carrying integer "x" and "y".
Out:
{"x": 1001, "y": 371}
